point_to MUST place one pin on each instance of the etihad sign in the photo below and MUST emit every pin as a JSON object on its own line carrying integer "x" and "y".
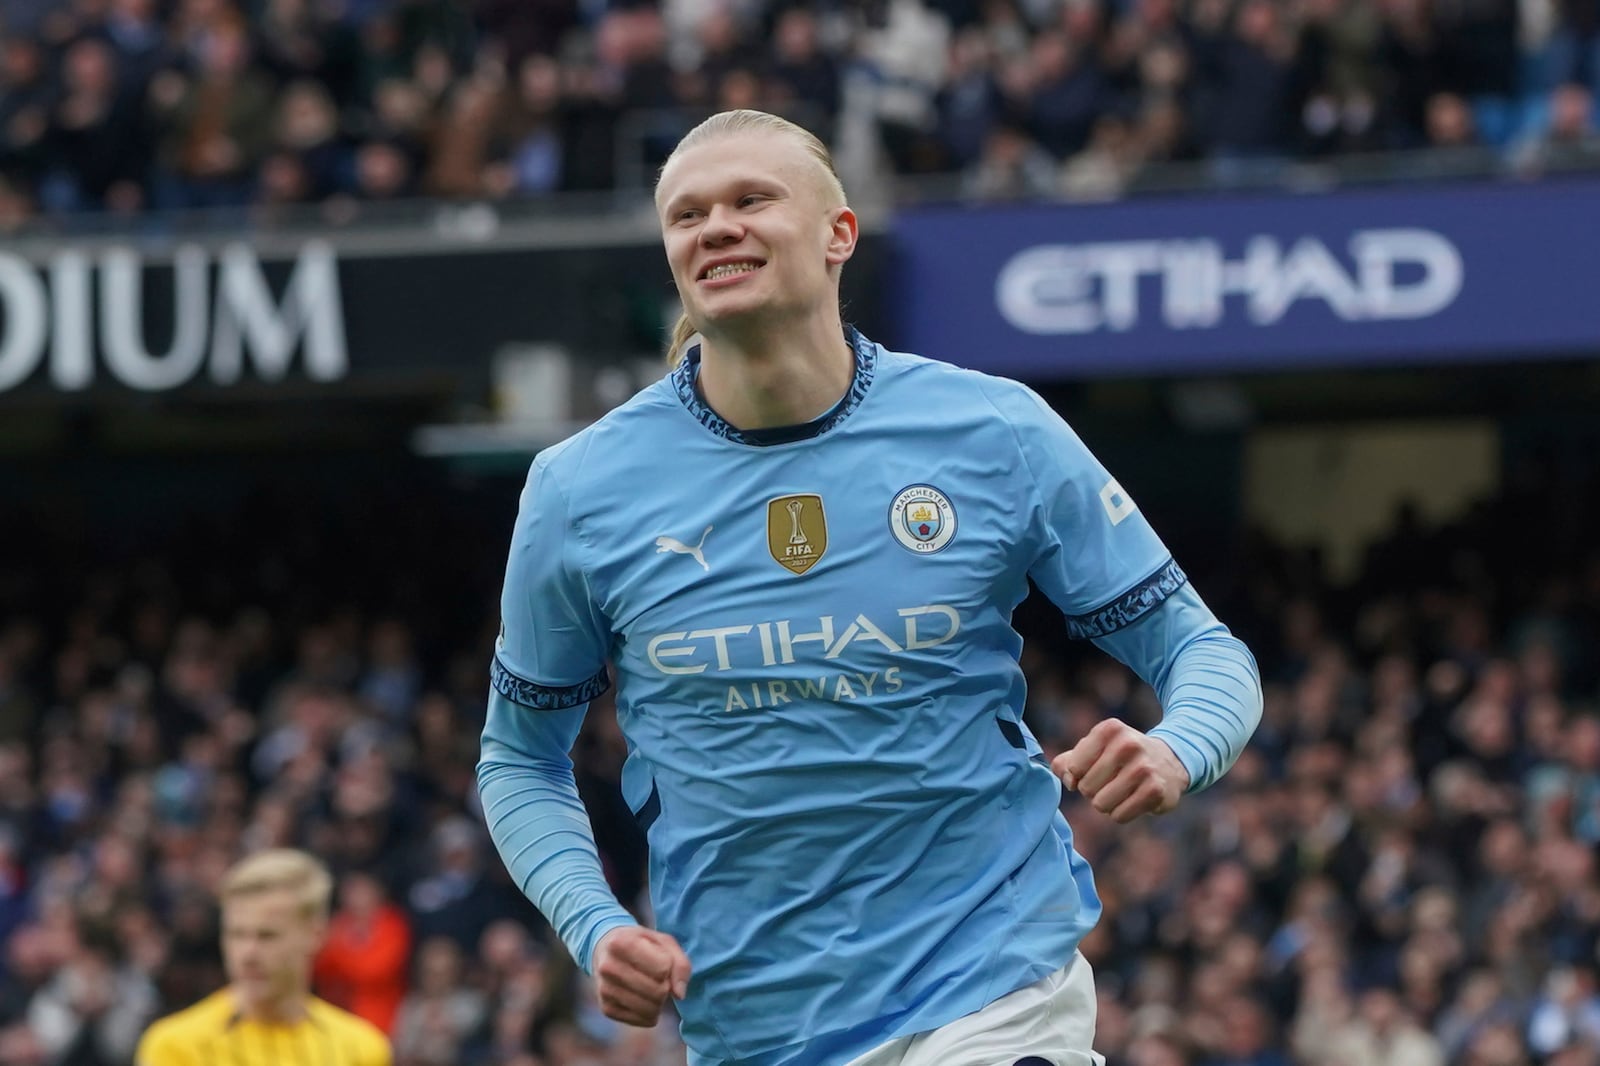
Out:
{"x": 1382, "y": 275}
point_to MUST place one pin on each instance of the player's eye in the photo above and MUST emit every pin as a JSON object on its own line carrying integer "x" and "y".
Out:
{"x": 688, "y": 214}
{"x": 750, "y": 200}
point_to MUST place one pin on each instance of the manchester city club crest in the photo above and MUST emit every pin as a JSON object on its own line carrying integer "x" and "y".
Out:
{"x": 922, "y": 519}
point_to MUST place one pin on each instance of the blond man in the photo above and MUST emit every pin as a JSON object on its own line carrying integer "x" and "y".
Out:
{"x": 274, "y": 916}
{"x": 798, "y": 555}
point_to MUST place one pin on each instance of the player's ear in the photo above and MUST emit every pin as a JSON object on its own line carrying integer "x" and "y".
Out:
{"x": 843, "y": 232}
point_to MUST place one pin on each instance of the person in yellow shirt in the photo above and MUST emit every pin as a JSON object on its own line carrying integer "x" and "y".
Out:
{"x": 274, "y": 916}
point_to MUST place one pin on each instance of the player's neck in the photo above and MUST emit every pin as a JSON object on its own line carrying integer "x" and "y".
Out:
{"x": 777, "y": 377}
{"x": 288, "y": 1009}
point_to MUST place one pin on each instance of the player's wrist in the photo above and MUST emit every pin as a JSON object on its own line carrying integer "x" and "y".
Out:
{"x": 606, "y": 930}
{"x": 1174, "y": 748}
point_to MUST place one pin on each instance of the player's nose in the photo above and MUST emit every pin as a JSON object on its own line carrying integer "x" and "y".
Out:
{"x": 721, "y": 227}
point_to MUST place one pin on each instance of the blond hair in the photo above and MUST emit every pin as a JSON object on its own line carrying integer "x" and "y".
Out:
{"x": 282, "y": 869}
{"x": 728, "y": 123}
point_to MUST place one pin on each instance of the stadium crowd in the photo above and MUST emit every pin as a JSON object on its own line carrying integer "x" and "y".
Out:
{"x": 122, "y": 105}
{"x": 1401, "y": 870}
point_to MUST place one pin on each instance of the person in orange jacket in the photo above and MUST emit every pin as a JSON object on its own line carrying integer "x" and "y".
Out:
{"x": 363, "y": 964}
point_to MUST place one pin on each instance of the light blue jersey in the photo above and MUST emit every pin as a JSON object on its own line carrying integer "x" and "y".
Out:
{"x": 852, "y": 834}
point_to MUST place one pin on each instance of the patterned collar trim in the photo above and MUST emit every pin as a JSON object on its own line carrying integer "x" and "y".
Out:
{"x": 683, "y": 383}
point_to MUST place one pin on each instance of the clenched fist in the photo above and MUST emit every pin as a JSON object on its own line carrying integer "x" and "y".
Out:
{"x": 636, "y": 969}
{"x": 1123, "y": 772}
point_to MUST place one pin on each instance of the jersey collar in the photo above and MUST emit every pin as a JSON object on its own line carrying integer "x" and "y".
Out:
{"x": 686, "y": 372}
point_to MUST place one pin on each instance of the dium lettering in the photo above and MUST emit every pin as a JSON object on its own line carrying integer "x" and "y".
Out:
{"x": 223, "y": 319}
{"x": 1388, "y": 274}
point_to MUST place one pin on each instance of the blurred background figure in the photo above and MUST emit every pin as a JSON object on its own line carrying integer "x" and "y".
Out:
{"x": 364, "y": 962}
{"x": 93, "y": 1008}
{"x": 215, "y": 123}
{"x": 441, "y": 1013}
{"x": 275, "y": 907}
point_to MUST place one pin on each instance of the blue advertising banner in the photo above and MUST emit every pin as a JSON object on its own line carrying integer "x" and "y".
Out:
{"x": 1393, "y": 277}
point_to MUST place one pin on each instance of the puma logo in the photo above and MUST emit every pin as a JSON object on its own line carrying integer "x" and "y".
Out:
{"x": 673, "y": 544}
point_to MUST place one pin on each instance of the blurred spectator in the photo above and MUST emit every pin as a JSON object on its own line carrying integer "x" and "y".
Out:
{"x": 1158, "y": 1049}
{"x": 1381, "y": 1034}
{"x": 440, "y": 1014}
{"x": 217, "y": 124}
{"x": 1566, "y": 1013}
{"x": 298, "y": 41}
{"x": 1450, "y": 123}
{"x": 804, "y": 78}
{"x": 1573, "y": 51}
{"x": 526, "y": 28}
{"x": 93, "y": 1008}
{"x": 1478, "y": 60}
{"x": 1340, "y": 76}
{"x": 1481, "y": 1004}
{"x": 1564, "y": 131}
{"x": 1012, "y": 166}
{"x": 904, "y": 47}
{"x": 363, "y": 962}
{"x": 1251, "y": 70}
{"x": 306, "y": 140}
{"x": 1163, "y": 134}
{"x": 1068, "y": 88}
{"x": 25, "y": 102}
{"x": 723, "y": 48}
{"x": 32, "y": 956}
{"x": 1498, "y": 1045}
{"x": 1103, "y": 168}
{"x": 461, "y": 152}
{"x": 530, "y": 131}
{"x": 283, "y": 182}
{"x": 393, "y": 679}
{"x": 135, "y": 30}
{"x": 20, "y": 1046}
{"x": 970, "y": 102}
{"x": 13, "y": 882}
{"x": 194, "y": 967}
{"x": 460, "y": 900}
{"x": 1248, "y": 1039}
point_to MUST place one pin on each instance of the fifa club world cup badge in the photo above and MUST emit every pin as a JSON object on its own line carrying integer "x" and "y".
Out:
{"x": 922, "y": 519}
{"x": 797, "y": 531}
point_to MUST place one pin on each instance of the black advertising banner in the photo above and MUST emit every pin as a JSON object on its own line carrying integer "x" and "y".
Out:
{"x": 107, "y": 320}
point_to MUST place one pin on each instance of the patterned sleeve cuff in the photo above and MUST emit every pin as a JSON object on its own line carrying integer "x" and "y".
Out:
{"x": 1131, "y": 606}
{"x": 539, "y": 697}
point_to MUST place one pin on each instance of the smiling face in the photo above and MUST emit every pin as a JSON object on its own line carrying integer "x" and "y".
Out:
{"x": 753, "y": 233}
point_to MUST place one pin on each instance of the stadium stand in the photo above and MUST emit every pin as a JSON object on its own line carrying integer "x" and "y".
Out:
{"x": 115, "y": 106}
{"x": 1401, "y": 870}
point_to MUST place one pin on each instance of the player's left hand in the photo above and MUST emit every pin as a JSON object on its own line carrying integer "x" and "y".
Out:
{"x": 1123, "y": 772}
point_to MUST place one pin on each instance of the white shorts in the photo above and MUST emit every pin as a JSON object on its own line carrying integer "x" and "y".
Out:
{"x": 1048, "y": 1023}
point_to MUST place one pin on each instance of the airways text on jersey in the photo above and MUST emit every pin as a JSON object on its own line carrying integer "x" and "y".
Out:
{"x": 782, "y": 660}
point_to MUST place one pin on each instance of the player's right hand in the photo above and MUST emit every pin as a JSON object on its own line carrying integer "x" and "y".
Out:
{"x": 636, "y": 969}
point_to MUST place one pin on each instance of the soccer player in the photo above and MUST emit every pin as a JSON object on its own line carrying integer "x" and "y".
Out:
{"x": 801, "y": 553}
{"x": 274, "y": 913}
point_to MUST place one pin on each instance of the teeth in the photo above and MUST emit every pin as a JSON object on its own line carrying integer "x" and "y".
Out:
{"x": 729, "y": 269}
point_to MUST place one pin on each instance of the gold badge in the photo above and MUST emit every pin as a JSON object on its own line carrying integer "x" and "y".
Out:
{"x": 797, "y": 531}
